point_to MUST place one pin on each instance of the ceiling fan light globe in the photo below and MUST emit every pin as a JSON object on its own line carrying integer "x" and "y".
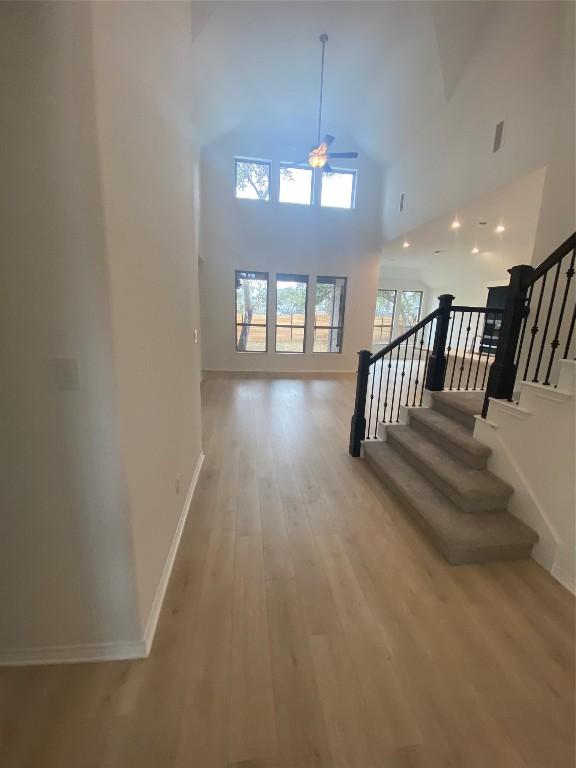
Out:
{"x": 317, "y": 161}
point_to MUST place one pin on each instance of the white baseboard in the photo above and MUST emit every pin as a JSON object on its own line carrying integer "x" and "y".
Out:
{"x": 118, "y": 650}
{"x": 154, "y": 615}
{"x": 73, "y": 654}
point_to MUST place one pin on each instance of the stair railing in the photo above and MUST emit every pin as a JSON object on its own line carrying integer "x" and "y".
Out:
{"x": 542, "y": 299}
{"x": 449, "y": 348}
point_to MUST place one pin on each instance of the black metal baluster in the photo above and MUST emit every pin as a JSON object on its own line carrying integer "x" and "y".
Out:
{"x": 556, "y": 341}
{"x": 547, "y": 324}
{"x": 473, "y": 349}
{"x": 457, "y": 347}
{"x": 387, "y": 384}
{"x": 418, "y": 369}
{"x": 534, "y": 330}
{"x": 482, "y": 345}
{"x": 432, "y": 326}
{"x": 488, "y": 355}
{"x": 449, "y": 347}
{"x": 468, "y": 329}
{"x": 394, "y": 385}
{"x": 411, "y": 367}
{"x": 524, "y": 324}
{"x": 378, "y": 403}
{"x": 570, "y": 333}
{"x": 402, "y": 379}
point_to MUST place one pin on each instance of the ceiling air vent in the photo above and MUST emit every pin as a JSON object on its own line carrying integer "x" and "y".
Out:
{"x": 498, "y": 136}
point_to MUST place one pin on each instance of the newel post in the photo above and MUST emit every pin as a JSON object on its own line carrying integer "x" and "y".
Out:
{"x": 437, "y": 363}
{"x": 502, "y": 376}
{"x": 358, "y": 423}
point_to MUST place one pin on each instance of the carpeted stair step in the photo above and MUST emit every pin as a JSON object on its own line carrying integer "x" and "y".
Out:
{"x": 460, "y": 537}
{"x": 462, "y": 407}
{"x": 472, "y": 490}
{"x": 449, "y": 435}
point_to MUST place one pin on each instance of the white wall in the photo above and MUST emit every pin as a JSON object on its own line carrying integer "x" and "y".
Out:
{"x": 512, "y": 76}
{"x": 557, "y": 218}
{"x": 66, "y": 567}
{"x": 100, "y": 273}
{"x": 274, "y": 237}
{"x": 533, "y": 449}
{"x": 142, "y": 57}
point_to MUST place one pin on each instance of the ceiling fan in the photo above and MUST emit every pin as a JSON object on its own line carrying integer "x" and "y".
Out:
{"x": 319, "y": 155}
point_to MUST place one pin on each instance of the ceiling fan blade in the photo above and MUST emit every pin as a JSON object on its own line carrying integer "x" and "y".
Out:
{"x": 343, "y": 154}
{"x": 328, "y": 139}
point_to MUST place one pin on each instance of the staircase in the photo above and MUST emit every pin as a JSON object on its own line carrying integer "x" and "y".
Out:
{"x": 437, "y": 469}
{"x": 424, "y": 390}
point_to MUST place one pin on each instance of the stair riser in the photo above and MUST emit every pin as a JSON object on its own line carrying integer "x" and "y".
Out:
{"x": 454, "y": 414}
{"x": 475, "y": 506}
{"x": 454, "y": 555}
{"x": 476, "y": 462}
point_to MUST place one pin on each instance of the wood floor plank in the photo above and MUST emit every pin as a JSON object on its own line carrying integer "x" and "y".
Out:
{"x": 252, "y": 732}
{"x": 309, "y": 624}
{"x": 300, "y": 727}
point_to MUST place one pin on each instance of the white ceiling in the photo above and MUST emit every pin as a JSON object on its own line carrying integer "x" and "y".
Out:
{"x": 388, "y": 64}
{"x": 516, "y": 206}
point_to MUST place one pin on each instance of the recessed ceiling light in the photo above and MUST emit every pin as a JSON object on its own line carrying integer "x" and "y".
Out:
{"x": 475, "y": 249}
{"x": 405, "y": 244}
{"x": 499, "y": 229}
{"x": 455, "y": 224}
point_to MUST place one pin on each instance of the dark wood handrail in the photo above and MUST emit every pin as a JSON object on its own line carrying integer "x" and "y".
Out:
{"x": 568, "y": 245}
{"x": 406, "y": 335}
{"x": 481, "y": 310}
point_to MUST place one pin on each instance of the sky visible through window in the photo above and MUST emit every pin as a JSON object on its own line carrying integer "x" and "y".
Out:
{"x": 337, "y": 190}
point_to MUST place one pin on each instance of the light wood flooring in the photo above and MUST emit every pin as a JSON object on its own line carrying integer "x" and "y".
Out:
{"x": 309, "y": 625}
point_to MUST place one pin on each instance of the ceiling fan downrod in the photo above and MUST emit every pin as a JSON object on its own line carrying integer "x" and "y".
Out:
{"x": 323, "y": 39}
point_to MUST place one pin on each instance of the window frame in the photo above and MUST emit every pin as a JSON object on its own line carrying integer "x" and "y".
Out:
{"x": 339, "y": 328}
{"x": 350, "y": 172}
{"x": 301, "y": 167}
{"x": 395, "y": 291}
{"x": 247, "y": 272}
{"x": 253, "y": 161}
{"x": 296, "y": 279}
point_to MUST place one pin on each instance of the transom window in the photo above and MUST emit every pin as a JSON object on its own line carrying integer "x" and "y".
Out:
{"x": 338, "y": 189}
{"x": 251, "y": 311}
{"x": 295, "y": 185}
{"x": 253, "y": 179}
{"x": 291, "y": 297}
{"x": 329, "y": 314}
{"x": 384, "y": 316}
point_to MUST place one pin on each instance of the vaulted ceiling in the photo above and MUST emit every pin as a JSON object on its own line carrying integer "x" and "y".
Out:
{"x": 388, "y": 65}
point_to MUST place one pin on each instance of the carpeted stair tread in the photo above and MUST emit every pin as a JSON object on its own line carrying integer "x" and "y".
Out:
{"x": 460, "y": 406}
{"x": 472, "y": 490}
{"x": 450, "y": 435}
{"x": 460, "y": 537}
